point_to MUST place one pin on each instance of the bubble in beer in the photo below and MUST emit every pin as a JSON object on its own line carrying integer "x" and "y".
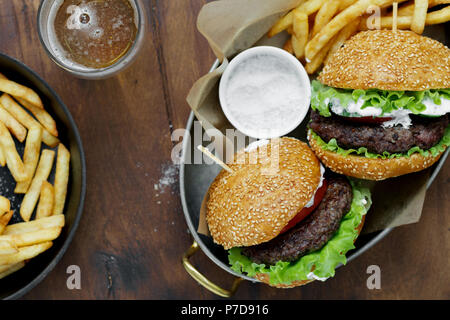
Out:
{"x": 84, "y": 18}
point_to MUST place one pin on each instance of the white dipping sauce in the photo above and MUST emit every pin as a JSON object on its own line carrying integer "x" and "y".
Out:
{"x": 264, "y": 93}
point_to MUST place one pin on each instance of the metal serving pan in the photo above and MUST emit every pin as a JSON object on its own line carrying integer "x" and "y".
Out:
{"x": 19, "y": 283}
{"x": 195, "y": 180}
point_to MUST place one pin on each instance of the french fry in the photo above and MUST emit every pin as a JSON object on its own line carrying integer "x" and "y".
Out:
{"x": 31, "y": 238}
{"x": 342, "y": 36}
{"x": 5, "y": 267}
{"x": 433, "y": 3}
{"x": 387, "y": 4}
{"x": 49, "y": 139}
{"x": 25, "y": 253}
{"x": 408, "y": 8}
{"x": 307, "y": 7}
{"x": 5, "y": 213}
{"x": 26, "y": 120}
{"x": 61, "y": 178}
{"x": 405, "y": 10}
{"x": 344, "y": 4}
{"x": 4, "y": 220}
{"x": 10, "y": 269}
{"x": 35, "y": 225}
{"x": 5, "y": 205}
{"x": 435, "y": 17}
{"x": 319, "y": 58}
{"x": 18, "y": 90}
{"x": 290, "y": 30}
{"x": 30, "y": 157}
{"x": 46, "y": 199}
{"x": 301, "y": 33}
{"x": 324, "y": 15}
{"x": 42, "y": 116}
{"x": 439, "y": 16}
{"x": 311, "y": 6}
{"x": 13, "y": 160}
{"x": 419, "y": 16}
{"x": 42, "y": 172}
{"x": 12, "y": 124}
{"x": 2, "y": 157}
{"x": 338, "y": 23}
{"x": 288, "y": 46}
{"x": 7, "y": 247}
{"x": 281, "y": 25}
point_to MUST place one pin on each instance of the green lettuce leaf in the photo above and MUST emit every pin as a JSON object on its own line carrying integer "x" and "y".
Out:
{"x": 387, "y": 101}
{"x": 324, "y": 260}
{"x": 433, "y": 151}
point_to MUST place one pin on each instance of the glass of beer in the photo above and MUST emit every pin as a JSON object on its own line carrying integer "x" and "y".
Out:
{"x": 92, "y": 39}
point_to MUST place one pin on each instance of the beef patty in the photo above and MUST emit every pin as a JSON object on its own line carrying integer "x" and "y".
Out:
{"x": 424, "y": 133}
{"x": 311, "y": 233}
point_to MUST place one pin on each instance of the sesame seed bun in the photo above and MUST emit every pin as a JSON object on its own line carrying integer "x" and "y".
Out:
{"x": 371, "y": 168}
{"x": 254, "y": 203}
{"x": 263, "y": 277}
{"x": 384, "y": 60}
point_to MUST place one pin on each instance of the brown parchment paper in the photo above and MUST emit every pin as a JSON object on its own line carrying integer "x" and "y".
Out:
{"x": 231, "y": 26}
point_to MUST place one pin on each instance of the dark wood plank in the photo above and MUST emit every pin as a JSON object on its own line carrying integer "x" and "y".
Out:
{"x": 132, "y": 236}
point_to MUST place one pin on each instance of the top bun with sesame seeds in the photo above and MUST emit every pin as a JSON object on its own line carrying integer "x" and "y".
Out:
{"x": 269, "y": 186}
{"x": 387, "y": 60}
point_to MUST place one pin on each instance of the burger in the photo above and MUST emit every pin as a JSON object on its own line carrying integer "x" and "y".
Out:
{"x": 284, "y": 220}
{"x": 380, "y": 105}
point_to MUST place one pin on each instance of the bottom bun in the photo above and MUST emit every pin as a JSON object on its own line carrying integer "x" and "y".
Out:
{"x": 263, "y": 277}
{"x": 371, "y": 168}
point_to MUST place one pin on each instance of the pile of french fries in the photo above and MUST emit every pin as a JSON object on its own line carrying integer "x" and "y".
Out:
{"x": 23, "y": 116}
{"x": 319, "y": 27}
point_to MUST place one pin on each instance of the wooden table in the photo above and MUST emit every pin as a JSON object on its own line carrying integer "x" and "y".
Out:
{"x": 133, "y": 233}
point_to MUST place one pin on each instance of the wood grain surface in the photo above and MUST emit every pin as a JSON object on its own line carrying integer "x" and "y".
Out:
{"x": 133, "y": 233}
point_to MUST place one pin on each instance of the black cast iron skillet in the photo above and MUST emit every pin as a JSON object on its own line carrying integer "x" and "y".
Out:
{"x": 19, "y": 283}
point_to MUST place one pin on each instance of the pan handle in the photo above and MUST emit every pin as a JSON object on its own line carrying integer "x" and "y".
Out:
{"x": 201, "y": 279}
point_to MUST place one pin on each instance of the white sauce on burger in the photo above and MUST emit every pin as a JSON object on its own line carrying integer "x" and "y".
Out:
{"x": 399, "y": 117}
{"x": 311, "y": 202}
{"x": 433, "y": 109}
{"x": 355, "y": 107}
{"x": 312, "y": 276}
